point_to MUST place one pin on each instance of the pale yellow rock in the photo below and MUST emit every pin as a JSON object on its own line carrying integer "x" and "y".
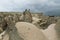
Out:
{"x": 4, "y": 36}
{"x": 50, "y": 32}
{"x": 29, "y": 31}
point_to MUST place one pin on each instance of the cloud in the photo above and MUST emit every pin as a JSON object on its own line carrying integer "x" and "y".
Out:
{"x": 34, "y": 5}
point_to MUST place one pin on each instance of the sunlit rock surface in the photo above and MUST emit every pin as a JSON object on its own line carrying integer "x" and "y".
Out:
{"x": 29, "y": 31}
{"x": 50, "y": 32}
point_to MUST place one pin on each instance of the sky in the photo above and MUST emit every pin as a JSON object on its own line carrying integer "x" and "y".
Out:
{"x": 47, "y": 6}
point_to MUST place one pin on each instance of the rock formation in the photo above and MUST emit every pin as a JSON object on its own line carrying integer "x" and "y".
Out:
{"x": 26, "y": 17}
{"x": 57, "y": 28}
{"x": 29, "y": 31}
{"x": 50, "y": 32}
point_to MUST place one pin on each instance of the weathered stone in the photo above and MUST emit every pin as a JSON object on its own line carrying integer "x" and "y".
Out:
{"x": 13, "y": 33}
{"x": 15, "y": 18}
{"x": 27, "y": 17}
{"x": 9, "y": 19}
{"x": 50, "y": 32}
{"x": 57, "y": 28}
{"x": 29, "y": 31}
{"x": 40, "y": 23}
{"x": 3, "y": 24}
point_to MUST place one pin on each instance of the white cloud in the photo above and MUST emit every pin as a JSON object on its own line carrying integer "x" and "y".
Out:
{"x": 17, "y": 5}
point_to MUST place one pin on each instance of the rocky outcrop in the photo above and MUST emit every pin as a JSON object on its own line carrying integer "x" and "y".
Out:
{"x": 29, "y": 31}
{"x": 26, "y": 17}
{"x": 57, "y": 28}
{"x": 50, "y": 32}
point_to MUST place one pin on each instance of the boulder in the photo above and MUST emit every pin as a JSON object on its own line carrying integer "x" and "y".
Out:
{"x": 26, "y": 16}
{"x": 57, "y": 28}
{"x": 50, "y": 32}
{"x": 29, "y": 31}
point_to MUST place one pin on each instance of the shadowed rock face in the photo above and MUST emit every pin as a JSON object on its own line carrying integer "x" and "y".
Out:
{"x": 57, "y": 28}
{"x": 13, "y": 33}
{"x": 3, "y": 24}
{"x": 40, "y": 23}
{"x": 53, "y": 31}
{"x": 50, "y": 32}
{"x": 29, "y": 31}
{"x": 10, "y": 33}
